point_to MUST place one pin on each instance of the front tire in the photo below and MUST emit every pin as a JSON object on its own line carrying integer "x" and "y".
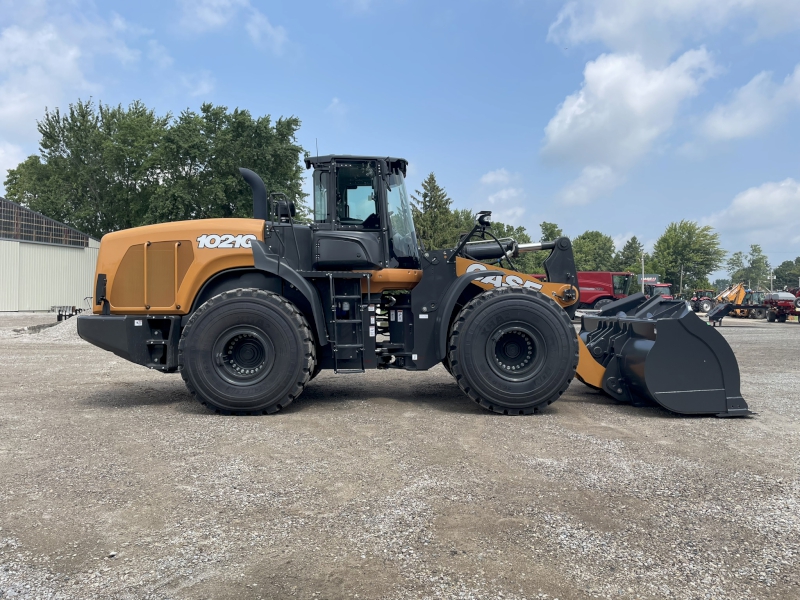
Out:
{"x": 513, "y": 350}
{"x": 246, "y": 351}
{"x": 706, "y": 306}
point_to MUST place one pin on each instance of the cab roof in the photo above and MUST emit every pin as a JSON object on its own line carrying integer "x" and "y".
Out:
{"x": 313, "y": 161}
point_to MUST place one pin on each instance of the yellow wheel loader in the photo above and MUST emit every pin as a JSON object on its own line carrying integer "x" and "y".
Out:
{"x": 250, "y": 310}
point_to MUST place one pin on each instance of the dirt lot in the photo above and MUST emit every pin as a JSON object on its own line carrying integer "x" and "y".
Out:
{"x": 114, "y": 483}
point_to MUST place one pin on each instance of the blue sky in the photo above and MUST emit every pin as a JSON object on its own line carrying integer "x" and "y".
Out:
{"x": 616, "y": 115}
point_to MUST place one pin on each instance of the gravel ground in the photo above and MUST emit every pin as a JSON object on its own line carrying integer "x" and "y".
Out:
{"x": 114, "y": 483}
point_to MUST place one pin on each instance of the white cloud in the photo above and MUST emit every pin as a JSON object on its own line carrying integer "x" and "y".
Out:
{"x": 499, "y": 176}
{"x": 10, "y": 157}
{"x": 623, "y": 107}
{"x": 262, "y": 32}
{"x": 505, "y": 195}
{"x": 511, "y": 215}
{"x": 593, "y": 182}
{"x": 158, "y": 55}
{"x": 198, "y": 84}
{"x": 754, "y": 108}
{"x": 337, "y": 108}
{"x": 36, "y": 68}
{"x": 766, "y": 213}
{"x": 620, "y": 112}
{"x": 657, "y": 28}
{"x": 201, "y": 16}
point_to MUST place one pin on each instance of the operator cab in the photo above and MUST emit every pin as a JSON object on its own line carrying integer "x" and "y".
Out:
{"x": 362, "y": 213}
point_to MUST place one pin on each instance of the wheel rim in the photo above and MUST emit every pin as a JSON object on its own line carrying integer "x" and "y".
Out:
{"x": 243, "y": 355}
{"x": 515, "y": 352}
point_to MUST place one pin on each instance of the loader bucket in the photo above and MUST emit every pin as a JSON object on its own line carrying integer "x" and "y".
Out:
{"x": 659, "y": 351}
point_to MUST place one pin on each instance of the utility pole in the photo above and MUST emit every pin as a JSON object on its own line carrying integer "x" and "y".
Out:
{"x": 680, "y": 287}
{"x": 771, "y": 279}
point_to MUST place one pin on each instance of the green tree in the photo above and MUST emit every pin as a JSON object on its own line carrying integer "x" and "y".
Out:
{"x": 463, "y": 220}
{"x": 535, "y": 260}
{"x": 689, "y": 252}
{"x": 103, "y": 168}
{"x": 525, "y": 263}
{"x": 787, "y": 274}
{"x": 720, "y": 284}
{"x": 594, "y": 251}
{"x": 752, "y": 268}
{"x": 630, "y": 257}
{"x": 433, "y": 219}
{"x": 550, "y": 231}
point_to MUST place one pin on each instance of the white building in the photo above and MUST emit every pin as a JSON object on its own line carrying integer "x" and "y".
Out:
{"x": 43, "y": 263}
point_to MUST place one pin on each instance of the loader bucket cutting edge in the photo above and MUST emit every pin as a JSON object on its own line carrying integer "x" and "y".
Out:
{"x": 660, "y": 351}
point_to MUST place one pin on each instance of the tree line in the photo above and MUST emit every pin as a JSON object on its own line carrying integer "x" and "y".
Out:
{"x": 686, "y": 252}
{"x": 103, "y": 168}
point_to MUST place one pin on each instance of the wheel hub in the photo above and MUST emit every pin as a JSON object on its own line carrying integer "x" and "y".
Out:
{"x": 514, "y": 350}
{"x": 244, "y": 356}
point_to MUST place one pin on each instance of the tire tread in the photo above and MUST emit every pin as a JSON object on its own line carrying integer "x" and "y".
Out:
{"x": 290, "y": 310}
{"x": 457, "y": 330}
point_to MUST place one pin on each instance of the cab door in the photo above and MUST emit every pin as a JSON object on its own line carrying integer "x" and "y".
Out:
{"x": 354, "y": 231}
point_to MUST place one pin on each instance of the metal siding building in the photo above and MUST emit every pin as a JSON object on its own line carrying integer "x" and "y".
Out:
{"x": 43, "y": 263}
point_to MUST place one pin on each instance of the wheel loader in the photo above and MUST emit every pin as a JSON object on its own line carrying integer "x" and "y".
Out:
{"x": 250, "y": 310}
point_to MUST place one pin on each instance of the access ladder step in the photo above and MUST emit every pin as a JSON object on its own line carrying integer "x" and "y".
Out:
{"x": 347, "y": 321}
{"x": 348, "y": 297}
{"x": 346, "y": 371}
{"x": 348, "y": 346}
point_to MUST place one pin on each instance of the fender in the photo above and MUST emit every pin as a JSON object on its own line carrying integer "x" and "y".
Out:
{"x": 449, "y": 303}
{"x": 269, "y": 263}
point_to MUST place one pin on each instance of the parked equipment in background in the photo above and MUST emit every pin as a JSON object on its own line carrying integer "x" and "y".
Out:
{"x": 599, "y": 288}
{"x": 781, "y": 305}
{"x": 65, "y": 312}
{"x": 738, "y": 301}
{"x": 703, "y": 300}
{"x": 664, "y": 290}
{"x": 250, "y": 310}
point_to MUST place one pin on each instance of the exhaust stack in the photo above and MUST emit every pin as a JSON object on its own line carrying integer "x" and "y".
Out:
{"x": 259, "y": 193}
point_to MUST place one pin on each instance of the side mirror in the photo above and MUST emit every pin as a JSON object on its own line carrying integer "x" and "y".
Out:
{"x": 286, "y": 209}
{"x": 485, "y": 218}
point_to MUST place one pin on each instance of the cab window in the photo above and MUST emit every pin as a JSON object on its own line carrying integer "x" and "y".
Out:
{"x": 622, "y": 284}
{"x": 357, "y": 196}
{"x": 320, "y": 196}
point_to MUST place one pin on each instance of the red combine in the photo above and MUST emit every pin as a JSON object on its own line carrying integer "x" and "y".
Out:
{"x": 599, "y": 288}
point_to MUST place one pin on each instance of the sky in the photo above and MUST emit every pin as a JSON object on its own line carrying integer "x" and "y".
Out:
{"x": 615, "y": 115}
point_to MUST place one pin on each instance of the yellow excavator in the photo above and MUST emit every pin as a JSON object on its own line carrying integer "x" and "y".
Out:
{"x": 250, "y": 310}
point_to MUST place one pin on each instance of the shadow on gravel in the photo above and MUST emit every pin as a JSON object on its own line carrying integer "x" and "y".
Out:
{"x": 444, "y": 397}
{"x": 586, "y": 395}
{"x": 129, "y": 396}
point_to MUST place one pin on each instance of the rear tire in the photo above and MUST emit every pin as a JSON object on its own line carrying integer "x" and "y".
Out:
{"x": 601, "y": 303}
{"x": 797, "y": 303}
{"x": 513, "y": 350}
{"x": 781, "y": 318}
{"x": 246, "y": 351}
{"x": 758, "y": 313}
{"x": 706, "y": 306}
